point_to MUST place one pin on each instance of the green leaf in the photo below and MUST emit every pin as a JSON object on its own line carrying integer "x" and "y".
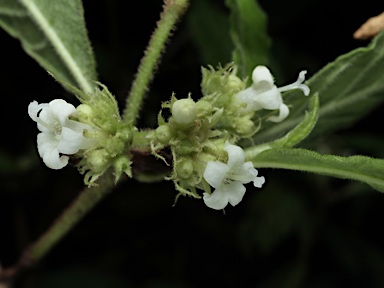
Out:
{"x": 349, "y": 88}
{"x": 295, "y": 136}
{"x": 360, "y": 168}
{"x": 249, "y": 35}
{"x": 54, "y": 34}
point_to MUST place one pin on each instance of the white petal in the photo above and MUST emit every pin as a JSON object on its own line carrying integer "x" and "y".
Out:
{"x": 214, "y": 173}
{"x": 259, "y": 181}
{"x": 61, "y": 110}
{"x": 47, "y": 147}
{"x": 33, "y": 111}
{"x": 70, "y": 141}
{"x": 34, "y": 108}
{"x": 235, "y": 192}
{"x": 283, "y": 113}
{"x": 262, "y": 78}
{"x": 246, "y": 96}
{"x": 236, "y": 155}
{"x": 245, "y": 173}
{"x": 270, "y": 99}
{"x": 217, "y": 200}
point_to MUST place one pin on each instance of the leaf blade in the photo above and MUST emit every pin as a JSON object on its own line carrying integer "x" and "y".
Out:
{"x": 360, "y": 168}
{"x": 349, "y": 88}
{"x": 296, "y": 135}
{"x": 54, "y": 34}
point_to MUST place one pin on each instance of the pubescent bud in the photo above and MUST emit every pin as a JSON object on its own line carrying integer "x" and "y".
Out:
{"x": 184, "y": 111}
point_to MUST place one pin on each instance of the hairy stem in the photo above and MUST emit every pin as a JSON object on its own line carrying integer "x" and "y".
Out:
{"x": 86, "y": 200}
{"x": 173, "y": 9}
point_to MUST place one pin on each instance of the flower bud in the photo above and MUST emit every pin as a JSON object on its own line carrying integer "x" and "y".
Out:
{"x": 184, "y": 168}
{"x": 163, "y": 133}
{"x": 97, "y": 160}
{"x": 184, "y": 111}
{"x": 244, "y": 126}
{"x": 85, "y": 113}
{"x": 234, "y": 82}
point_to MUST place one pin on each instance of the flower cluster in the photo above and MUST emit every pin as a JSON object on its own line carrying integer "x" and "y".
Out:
{"x": 93, "y": 133}
{"x": 198, "y": 133}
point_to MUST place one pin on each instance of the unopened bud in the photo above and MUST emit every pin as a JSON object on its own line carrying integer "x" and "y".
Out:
{"x": 184, "y": 168}
{"x": 163, "y": 133}
{"x": 184, "y": 111}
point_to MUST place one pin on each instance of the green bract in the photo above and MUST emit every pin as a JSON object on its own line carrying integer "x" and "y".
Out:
{"x": 197, "y": 132}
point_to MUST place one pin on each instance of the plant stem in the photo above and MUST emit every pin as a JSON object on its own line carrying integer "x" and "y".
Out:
{"x": 86, "y": 200}
{"x": 172, "y": 11}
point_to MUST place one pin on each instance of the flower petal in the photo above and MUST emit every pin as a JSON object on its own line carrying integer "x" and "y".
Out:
{"x": 234, "y": 191}
{"x": 270, "y": 99}
{"x": 245, "y": 173}
{"x": 214, "y": 173}
{"x": 61, "y": 110}
{"x": 236, "y": 155}
{"x": 217, "y": 200}
{"x": 70, "y": 141}
{"x": 283, "y": 113}
{"x": 34, "y": 109}
{"x": 246, "y": 96}
{"x": 47, "y": 147}
{"x": 262, "y": 79}
{"x": 259, "y": 181}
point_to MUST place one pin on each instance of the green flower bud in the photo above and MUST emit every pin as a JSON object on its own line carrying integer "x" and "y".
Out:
{"x": 97, "y": 160}
{"x": 234, "y": 82}
{"x": 184, "y": 168}
{"x": 85, "y": 113}
{"x": 184, "y": 111}
{"x": 186, "y": 147}
{"x": 244, "y": 126}
{"x": 164, "y": 134}
{"x": 114, "y": 146}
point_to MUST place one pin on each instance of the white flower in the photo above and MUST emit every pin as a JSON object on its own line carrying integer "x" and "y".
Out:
{"x": 263, "y": 94}
{"x": 228, "y": 179}
{"x": 60, "y": 136}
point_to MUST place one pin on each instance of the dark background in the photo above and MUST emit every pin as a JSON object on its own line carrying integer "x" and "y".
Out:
{"x": 299, "y": 230}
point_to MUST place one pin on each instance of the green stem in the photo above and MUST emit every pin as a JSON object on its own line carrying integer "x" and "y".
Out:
{"x": 173, "y": 9}
{"x": 86, "y": 200}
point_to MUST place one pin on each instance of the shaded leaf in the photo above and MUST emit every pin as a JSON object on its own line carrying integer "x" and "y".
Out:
{"x": 249, "y": 34}
{"x": 361, "y": 168}
{"x": 54, "y": 34}
{"x": 296, "y": 135}
{"x": 209, "y": 26}
{"x": 348, "y": 88}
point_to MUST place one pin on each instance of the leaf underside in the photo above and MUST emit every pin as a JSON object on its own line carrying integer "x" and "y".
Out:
{"x": 54, "y": 34}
